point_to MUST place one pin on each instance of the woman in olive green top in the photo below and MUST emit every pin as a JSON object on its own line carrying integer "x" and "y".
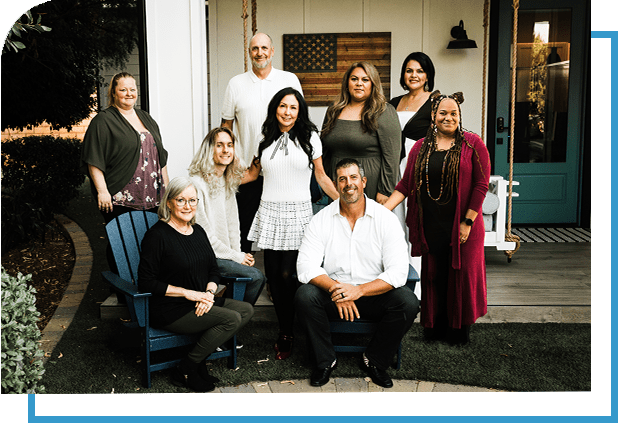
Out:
{"x": 363, "y": 126}
{"x": 123, "y": 154}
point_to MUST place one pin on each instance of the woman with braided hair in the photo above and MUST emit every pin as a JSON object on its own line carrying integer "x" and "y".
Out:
{"x": 446, "y": 180}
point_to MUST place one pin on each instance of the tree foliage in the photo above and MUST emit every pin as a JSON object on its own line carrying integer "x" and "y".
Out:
{"x": 19, "y": 27}
{"x": 53, "y": 78}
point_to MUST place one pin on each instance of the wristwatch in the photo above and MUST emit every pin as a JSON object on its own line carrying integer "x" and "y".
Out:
{"x": 211, "y": 291}
{"x": 468, "y": 221}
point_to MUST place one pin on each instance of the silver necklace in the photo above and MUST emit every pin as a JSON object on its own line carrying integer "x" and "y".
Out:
{"x": 175, "y": 226}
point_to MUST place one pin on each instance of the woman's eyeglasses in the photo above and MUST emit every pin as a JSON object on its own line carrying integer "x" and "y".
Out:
{"x": 180, "y": 202}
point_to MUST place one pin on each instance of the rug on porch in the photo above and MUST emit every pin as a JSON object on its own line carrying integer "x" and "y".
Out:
{"x": 552, "y": 234}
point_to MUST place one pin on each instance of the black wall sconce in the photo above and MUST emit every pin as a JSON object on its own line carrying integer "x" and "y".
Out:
{"x": 461, "y": 38}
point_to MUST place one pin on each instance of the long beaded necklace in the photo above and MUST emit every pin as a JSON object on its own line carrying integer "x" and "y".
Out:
{"x": 435, "y": 148}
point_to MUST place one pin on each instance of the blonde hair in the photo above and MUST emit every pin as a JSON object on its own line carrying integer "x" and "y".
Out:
{"x": 111, "y": 90}
{"x": 203, "y": 164}
{"x": 374, "y": 105}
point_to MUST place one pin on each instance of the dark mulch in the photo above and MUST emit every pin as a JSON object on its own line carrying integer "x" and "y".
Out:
{"x": 51, "y": 265}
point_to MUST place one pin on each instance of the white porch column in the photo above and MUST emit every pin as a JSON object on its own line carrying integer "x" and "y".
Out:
{"x": 177, "y": 74}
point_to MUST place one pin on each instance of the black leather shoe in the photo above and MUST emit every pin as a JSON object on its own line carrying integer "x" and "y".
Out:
{"x": 320, "y": 377}
{"x": 378, "y": 376}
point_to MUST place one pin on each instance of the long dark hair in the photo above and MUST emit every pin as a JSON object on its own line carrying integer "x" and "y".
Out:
{"x": 300, "y": 132}
{"x": 374, "y": 105}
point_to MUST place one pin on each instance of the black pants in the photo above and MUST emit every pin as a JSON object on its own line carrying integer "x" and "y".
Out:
{"x": 248, "y": 200}
{"x": 216, "y": 327}
{"x": 280, "y": 271}
{"x": 395, "y": 310}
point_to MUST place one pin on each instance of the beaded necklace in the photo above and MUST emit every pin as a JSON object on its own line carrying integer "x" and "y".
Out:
{"x": 448, "y": 150}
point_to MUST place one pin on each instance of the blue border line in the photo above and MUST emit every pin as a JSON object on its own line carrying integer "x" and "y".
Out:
{"x": 613, "y": 36}
{"x": 33, "y": 418}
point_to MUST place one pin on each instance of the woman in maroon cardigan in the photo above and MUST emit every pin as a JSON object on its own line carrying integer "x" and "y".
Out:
{"x": 446, "y": 180}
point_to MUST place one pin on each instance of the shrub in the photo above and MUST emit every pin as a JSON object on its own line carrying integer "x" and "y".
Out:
{"x": 45, "y": 170}
{"x": 40, "y": 175}
{"x": 22, "y": 365}
{"x": 21, "y": 221}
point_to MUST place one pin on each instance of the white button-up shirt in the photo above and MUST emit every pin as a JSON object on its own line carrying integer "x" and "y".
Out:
{"x": 376, "y": 249}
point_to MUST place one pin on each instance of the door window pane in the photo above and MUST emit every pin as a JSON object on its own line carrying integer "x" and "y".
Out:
{"x": 543, "y": 53}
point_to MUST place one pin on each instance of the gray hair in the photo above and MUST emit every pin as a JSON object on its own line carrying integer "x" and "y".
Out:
{"x": 173, "y": 190}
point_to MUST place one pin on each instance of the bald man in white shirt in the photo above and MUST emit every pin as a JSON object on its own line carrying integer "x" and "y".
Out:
{"x": 353, "y": 263}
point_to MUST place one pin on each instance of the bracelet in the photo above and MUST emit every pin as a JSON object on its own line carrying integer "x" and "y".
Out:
{"x": 211, "y": 291}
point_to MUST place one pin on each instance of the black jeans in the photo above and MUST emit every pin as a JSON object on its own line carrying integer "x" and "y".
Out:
{"x": 248, "y": 200}
{"x": 395, "y": 310}
{"x": 215, "y": 327}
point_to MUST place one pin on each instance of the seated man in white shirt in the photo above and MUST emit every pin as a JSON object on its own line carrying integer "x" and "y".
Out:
{"x": 353, "y": 263}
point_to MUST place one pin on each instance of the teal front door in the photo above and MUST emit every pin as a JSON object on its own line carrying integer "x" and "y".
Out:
{"x": 548, "y": 128}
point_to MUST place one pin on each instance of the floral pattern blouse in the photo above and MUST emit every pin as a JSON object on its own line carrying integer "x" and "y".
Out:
{"x": 145, "y": 189}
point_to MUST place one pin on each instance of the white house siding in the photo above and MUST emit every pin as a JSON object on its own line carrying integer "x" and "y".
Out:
{"x": 177, "y": 74}
{"x": 178, "y": 62}
{"x": 416, "y": 25}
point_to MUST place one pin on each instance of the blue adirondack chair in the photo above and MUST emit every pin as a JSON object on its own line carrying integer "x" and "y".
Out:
{"x": 366, "y": 326}
{"x": 125, "y": 234}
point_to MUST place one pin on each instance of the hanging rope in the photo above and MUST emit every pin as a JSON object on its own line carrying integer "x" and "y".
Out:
{"x": 254, "y": 16}
{"x": 485, "y": 25}
{"x": 244, "y": 37}
{"x": 509, "y": 236}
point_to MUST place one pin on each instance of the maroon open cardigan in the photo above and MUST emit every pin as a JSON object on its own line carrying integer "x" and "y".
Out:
{"x": 467, "y": 285}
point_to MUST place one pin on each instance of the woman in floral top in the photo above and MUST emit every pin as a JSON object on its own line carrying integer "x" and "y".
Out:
{"x": 123, "y": 154}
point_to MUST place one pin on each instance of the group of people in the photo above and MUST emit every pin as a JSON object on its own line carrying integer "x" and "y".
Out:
{"x": 248, "y": 186}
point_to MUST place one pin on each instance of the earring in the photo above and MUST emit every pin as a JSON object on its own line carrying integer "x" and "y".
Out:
{"x": 426, "y": 85}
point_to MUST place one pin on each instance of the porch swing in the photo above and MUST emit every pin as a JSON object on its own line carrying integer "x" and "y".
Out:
{"x": 494, "y": 210}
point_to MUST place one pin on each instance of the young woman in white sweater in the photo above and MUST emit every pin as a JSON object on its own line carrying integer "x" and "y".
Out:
{"x": 216, "y": 171}
{"x": 289, "y": 151}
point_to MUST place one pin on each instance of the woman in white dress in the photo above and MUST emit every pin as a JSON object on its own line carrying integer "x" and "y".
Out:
{"x": 289, "y": 151}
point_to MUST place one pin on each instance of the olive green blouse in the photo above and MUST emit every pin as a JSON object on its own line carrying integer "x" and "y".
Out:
{"x": 113, "y": 145}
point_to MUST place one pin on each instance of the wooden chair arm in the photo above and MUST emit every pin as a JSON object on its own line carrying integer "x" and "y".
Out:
{"x": 127, "y": 288}
{"x": 238, "y": 286}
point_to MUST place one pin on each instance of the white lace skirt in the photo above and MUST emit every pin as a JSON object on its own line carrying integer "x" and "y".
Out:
{"x": 280, "y": 225}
